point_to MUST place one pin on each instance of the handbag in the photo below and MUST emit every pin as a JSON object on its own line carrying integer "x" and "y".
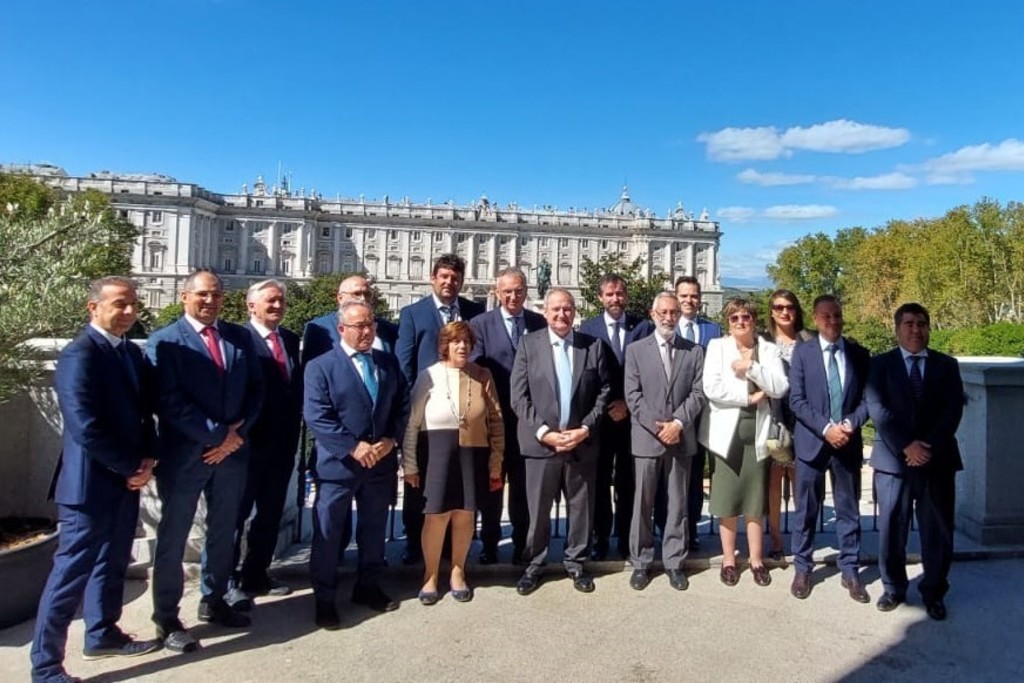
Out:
{"x": 780, "y": 443}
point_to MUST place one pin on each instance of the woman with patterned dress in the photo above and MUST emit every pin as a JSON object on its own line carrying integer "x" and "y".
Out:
{"x": 453, "y": 449}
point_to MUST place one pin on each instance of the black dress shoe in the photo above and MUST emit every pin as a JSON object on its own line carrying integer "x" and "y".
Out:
{"x": 327, "y": 616}
{"x": 888, "y": 602}
{"x": 527, "y": 583}
{"x": 239, "y": 600}
{"x": 374, "y": 598}
{"x": 639, "y": 579}
{"x": 936, "y": 609}
{"x": 220, "y": 612}
{"x": 175, "y": 637}
{"x": 856, "y": 589}
{"x": 125, "y": 646}
{"x": 677, "y": 579}
{"x": 801, "y": 587}
{"x": 488, "y": 556}
{"x": 582, "y": 581}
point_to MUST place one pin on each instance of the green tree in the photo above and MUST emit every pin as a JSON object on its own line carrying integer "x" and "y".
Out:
{"x": 642, "y": 290}
{"x": 53, "y": 247}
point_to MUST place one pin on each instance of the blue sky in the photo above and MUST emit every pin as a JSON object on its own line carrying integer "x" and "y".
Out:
{"x": 781, "y": 118}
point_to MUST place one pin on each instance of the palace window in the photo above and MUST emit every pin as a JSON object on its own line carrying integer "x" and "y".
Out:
{"x": 157, "y": 216}
{"x": 228, "y": 265}
{"x": 417, "y": 236}
{"x": 348, "y": 233}
{"x": 325, "y": 231}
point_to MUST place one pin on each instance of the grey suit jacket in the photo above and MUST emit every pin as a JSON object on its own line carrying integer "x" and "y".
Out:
{"x": 535, "y": 391}
{"x": 651, "y": 397}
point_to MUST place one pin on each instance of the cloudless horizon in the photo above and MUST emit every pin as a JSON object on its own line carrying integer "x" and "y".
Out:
{"x": 782, "y": 119}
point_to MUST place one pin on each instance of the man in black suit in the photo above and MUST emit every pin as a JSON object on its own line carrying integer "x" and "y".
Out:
{"x": 617, "y": 329}
{"x": 826, "y": 384}
{"x": 916, "y": 398}
{"x": 498, "y": 334}
{"x": 418, "y": 326}
{"x": 109, "y": 442}
{"x": 560, "y": 394}
{"x": 275, "y": 440}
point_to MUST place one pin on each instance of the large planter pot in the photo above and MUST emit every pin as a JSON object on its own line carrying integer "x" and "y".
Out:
{"x": 23, "y": 572}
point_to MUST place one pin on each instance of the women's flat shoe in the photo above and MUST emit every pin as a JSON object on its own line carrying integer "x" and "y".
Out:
{"x": 462, "y": 595}
{"x": 729, "y": 576}
{"x": 428, "y": 597}
{"x": 761, "y": 575}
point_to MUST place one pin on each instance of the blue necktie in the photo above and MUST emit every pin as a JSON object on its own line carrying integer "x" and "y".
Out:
{"x": 916, "y": 379}
{"x": 365, "y": 361}
{"x": 564, "y": 371}
{"x": 127, "y": 362}
{"x": 616, "y": 342}
{"x": 689, "y": 332}
{"x": 517, "y": 330}
{"x": 835, "y": 386}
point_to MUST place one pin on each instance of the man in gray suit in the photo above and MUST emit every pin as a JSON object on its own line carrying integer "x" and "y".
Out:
{"x": 559, "y": 393}
{"x": 664, "y": 395}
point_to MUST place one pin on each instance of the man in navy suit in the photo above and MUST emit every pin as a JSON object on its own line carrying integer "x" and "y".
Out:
{"x": 560, "y": 394}
{"x": 698, "y": 329}
{"x": 356, "y": 406}
{"x": 105, "y": 400}
{"x": 209, "y": 388}
{"x": 274, "y": 441}
{"x": 826, "y": 384}
{"x": 498, "y": 333}
{"x": 617, "y": 329}
{"x": 915, "y": 398}
{"x": 321, "y": 334}
{"x": 418, "y": 327}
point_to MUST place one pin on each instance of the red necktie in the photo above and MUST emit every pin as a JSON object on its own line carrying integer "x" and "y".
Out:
{"x": 275, "y": 348}
{"x": 213, "y": 345}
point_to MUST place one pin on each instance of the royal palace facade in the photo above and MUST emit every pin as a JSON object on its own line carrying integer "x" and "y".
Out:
{"x": 274, "y": 231}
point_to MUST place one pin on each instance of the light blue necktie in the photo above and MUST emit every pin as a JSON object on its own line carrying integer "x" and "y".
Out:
{"x": 369, "y": 377}
{"x": 564, "y": 371}
{"x": 835, "y": 386}
{"x": 689, "y": 332}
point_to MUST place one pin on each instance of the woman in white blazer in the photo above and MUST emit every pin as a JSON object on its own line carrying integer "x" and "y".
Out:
{"x": 741, "y": 371}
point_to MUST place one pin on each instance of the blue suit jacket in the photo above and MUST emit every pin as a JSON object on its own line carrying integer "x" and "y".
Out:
{"x": 196, "y": 403}
{"x": 636, "y": 328}
{"x": 808, "y": 398}
{"x": 321, "y": 335}
{"x": 706, "y": 330}
{"x": 899, "y": 419}
{"x": 493, "y": 350}
{"x": 276, "y": 431}
{"x": 418, "y": 326}
{"x": 108, "y": 420}
{"x": 339, "y": 412}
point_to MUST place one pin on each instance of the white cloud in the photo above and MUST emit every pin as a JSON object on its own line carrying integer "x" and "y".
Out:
{"x": 736, "y": 214}
{"x": 1007, "y": 155}
{"x": 844, "y": 136}
{"x": 753, "y": 177}
{"x": 766, "y": 142}
{"x": 736, "y": 144}
{"x": 750, "y": 265}
{"x": 885, "y": 181}
{"x": 799, "y": 212}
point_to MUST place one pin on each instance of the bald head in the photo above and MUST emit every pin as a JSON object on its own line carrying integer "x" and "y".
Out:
{"x": 353, "y": 288}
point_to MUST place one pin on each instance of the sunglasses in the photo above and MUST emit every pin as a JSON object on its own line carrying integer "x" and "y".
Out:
{"x": 783, "y": 307}
{"x": 740, "y": 317}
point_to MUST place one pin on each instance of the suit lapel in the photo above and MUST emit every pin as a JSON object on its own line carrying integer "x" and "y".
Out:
{"x": 579, "y": 358}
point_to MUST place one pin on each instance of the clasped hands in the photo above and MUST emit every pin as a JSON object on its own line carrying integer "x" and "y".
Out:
{"x": 918, "y": 453}
{"x": 369, "y": 454}
{"x": 231, "y": 443}
{"x": 617, "y": 410}
{"x": 565, "y": 440}
{"x": 838, "y": 435}
{"x": 142, "y": 475}
{"x": 669, "y": 432}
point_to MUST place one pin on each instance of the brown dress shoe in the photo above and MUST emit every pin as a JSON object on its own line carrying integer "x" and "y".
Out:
{"x": 801, "y": 587}
{"x": 761, "y": 576}
{"x": 729, "y": 576}
{"x": 856, "y": 589}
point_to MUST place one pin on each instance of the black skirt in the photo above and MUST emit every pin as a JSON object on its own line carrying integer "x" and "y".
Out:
{"x": 453, "y": 477}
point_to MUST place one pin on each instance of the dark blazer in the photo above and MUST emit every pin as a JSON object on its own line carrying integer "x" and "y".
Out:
{"x": 493, "y": 350}
{"x": 706, "y": 330}
{"x": 339, "y": 412}
{"x": 899, "y": 419}
{"x": 636, "y": 328}
{"x": 653, "y": 397}
{"x": 276, "y": 431}
{"x": 535, "y": 390}
{"x": 418, "y": 326}
{"x": 321, "y": 335}
{"x": 196, "y": 403}
{"x": 108, "y": 420}
{"x": 808, "y": 398}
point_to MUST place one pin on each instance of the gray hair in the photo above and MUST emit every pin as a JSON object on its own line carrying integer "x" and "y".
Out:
{"x": 512, "y": 271}
{"x": 664, "y": 294}
{"x": 255, "y": 289}
{"x": 352, "y": 303}
{"x": 559, "y": 290}
{"x": 97, "y": 285}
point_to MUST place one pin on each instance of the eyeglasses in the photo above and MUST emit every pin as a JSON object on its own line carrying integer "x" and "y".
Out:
{"x": 740, "y": 317}
{"x": 779, "y": 308}
{"x": 359, "y": 326}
